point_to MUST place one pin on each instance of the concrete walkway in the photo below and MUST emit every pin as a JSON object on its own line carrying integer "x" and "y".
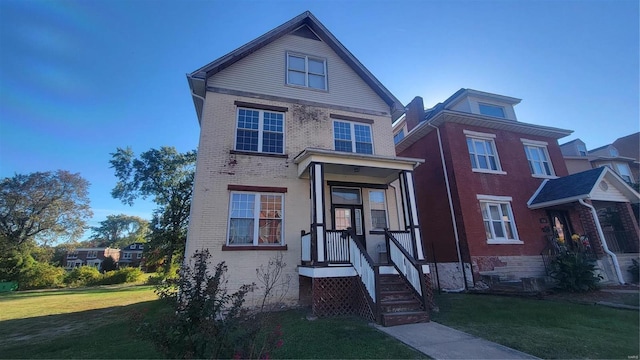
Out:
{"x": 442, "y": 342}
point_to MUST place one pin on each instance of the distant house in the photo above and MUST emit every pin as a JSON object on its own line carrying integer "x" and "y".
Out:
{"x": 90, "y": 257}
{"x": 485, "y": 197}
{"x": 618, "y": 156}
{"x": 132, "y": 255}
{"x": 296, "y": 158}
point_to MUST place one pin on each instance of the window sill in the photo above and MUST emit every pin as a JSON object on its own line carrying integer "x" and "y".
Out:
{"x": 238, "y": 152}
{"x": 306, "y": 88}
{"x": 540, "y": 176}
{"x": 504, "y": 242}
{"x": 484, "y": 171}
{"x": 253, "y": 247}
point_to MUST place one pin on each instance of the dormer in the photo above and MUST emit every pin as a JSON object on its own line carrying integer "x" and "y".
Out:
{"x": 483, "y": 103}
{"x": 608, "y": 151}
{"x": 575, "y": 147}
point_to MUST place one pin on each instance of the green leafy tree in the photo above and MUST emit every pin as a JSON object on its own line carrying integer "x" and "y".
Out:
{"x": 120, "y": 230}
{"x": 166, "y": 176}
{"x": 39, "y": 208}
{"x": 42, "y": 204}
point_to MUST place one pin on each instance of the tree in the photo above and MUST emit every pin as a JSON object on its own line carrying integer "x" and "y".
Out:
{"x": 166, "y": 176}
{"x": 120, "y": 230}
{"x": 42, "y": 206}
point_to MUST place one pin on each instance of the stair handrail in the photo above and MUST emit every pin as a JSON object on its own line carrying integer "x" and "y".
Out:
{"x": 414, "y": 271}
{"x": 360, "y": 260}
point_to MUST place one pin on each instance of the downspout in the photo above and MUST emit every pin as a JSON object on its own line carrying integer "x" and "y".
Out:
{"x": 614, "y": 258}
{"x": 453, "y": 215}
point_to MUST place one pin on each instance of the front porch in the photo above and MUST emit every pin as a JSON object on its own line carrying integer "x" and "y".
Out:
{"x": 350, "y": 261}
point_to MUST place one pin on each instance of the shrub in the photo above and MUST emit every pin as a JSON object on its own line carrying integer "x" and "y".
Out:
{"x": 208, "y": 322}
{"x": 634, "y": 269}
{"x": 121, "y": 276}
{"x": 82, "y": 276}
{"x": 574, "y": 272}
{"x": 40, "y": 276}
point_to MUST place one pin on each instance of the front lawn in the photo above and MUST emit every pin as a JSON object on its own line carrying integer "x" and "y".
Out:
{"x": 546, "y": 329}
{"x": 96, "y": 323}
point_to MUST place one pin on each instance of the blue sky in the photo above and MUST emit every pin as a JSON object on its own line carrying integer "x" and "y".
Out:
{"x": 80, "y": 78}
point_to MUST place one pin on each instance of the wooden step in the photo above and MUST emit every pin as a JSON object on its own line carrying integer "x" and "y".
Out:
{"x": 405, "y": 317}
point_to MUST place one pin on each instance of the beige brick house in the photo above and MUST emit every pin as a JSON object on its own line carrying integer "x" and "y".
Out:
{"x": 296, "y": 157}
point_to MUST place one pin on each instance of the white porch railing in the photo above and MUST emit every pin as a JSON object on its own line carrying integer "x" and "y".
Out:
{"x": 306, "y": 247}
{"x": 404, "y": 238}
{"x": 404, "y": 265}
{"x": 363, "y": 268}
{"x": 337, "y": 246}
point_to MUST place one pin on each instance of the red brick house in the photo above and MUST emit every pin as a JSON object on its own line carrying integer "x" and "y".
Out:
{"x": 132, "y": 255}
{"x": 482, "y": 169}
{"x": 90, "y": 257}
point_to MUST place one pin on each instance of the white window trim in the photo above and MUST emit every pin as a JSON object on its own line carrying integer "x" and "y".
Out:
{"x": 543, "y": 145}
{"x": 353, "y": 134}
{"x": 495, "y": 199}
{"x": 486, "y": 137}
{"x": 256, "y": 228}
{"x": 260, "y": 131}
{"x": 126, "y": 256}
{"x": 306, "y": 71}
{"x": 627, "y": 169}
{"x": 386, "y": 210}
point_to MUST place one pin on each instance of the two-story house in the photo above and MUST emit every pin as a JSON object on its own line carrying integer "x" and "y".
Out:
{"x": 131, "y": 255}
{"x": 626, "y": 164}
{"x": 489, "y": 197}
{"x": 296, "y": 157}
{"x": 90, "y": 257}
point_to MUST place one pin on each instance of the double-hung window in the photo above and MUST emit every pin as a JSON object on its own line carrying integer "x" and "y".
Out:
{"x": 126, "y": 255}
{"x": 378, "y": 209}
{"x": 624, "y": 172}
{"x": 92, "y": 254}
{"x": 538, "y": 158}
{"x": 307, "y": 71}
{"x": 260, "y": 131}
{"x": 497, "y": 216}
{"x": 352, "y": 137}
{"x": 482, "y": 152}
{"x": 255, "y": 219}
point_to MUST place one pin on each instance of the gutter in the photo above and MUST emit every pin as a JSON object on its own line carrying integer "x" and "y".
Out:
{"x": 616, "y": 264}
{"x": 453, "y": 215}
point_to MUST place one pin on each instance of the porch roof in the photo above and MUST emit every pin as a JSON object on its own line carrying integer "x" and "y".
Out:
{"x": 386, "y": 168}
{"x": 583, "y": 185}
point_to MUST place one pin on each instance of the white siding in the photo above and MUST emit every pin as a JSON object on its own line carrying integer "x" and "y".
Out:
{"x": 263, "y": 72}
{"x": 612, "y": 194}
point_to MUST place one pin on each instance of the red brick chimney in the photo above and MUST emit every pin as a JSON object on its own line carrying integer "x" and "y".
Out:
{"x": 414, "y": 113}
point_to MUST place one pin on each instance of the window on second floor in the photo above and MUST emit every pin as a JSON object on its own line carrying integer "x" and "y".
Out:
{"x": 126, "y": 255}
{"x": 491, "y": 110}
{"x": 307, "y": 71}
{"x": 624, "y": 172}
{"x": 582, "y": 150}
{"x": 538, "y": 160}
{"x": 260, "y": 131}
{"x": 482, "y": 152}
{"x": 92, "y": 254}
{"x": 613, "y": 152}
{"x": 398, "y": 137}
{"x": 352, "y": 137}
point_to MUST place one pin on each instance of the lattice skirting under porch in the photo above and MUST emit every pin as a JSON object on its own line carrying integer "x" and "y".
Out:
{"x": 340, "y": 296}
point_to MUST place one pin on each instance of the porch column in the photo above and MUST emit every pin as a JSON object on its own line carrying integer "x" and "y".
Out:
{"x": 410, "y": 211}
{"x": 316, "y": 176}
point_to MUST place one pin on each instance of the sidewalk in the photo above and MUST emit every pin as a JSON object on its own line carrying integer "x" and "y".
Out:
{"x": 442, "y": 342}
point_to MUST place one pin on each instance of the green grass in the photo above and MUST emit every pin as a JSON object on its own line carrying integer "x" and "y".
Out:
{"x": 546, "y": 329}
{"x": 95, "y": 323}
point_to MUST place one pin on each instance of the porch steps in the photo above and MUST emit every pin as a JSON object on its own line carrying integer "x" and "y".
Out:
{"x": 397, "y": 303}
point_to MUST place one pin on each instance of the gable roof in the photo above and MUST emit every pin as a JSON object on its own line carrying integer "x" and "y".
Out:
{"x": 197, "y": 79}
{"x": 577, "y": 186}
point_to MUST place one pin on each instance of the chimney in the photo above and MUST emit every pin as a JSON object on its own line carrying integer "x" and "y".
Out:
{"x": 415, "y": 113}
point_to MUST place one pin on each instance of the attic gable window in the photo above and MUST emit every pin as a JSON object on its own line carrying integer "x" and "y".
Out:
{"x": 491, "y": 110}
{"x": 307, "y": 71}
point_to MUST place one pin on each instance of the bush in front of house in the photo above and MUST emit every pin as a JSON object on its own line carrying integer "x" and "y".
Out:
{"x": 120, "y": 276}
{"x": 82, "y": 276}
{"x": 209, "y": 322}
{"x": 574, "y": 272}
{"x": 41, "y": 275}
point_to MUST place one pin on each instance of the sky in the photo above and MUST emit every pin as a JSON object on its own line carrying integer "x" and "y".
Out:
{"x": 79, "y": 79}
